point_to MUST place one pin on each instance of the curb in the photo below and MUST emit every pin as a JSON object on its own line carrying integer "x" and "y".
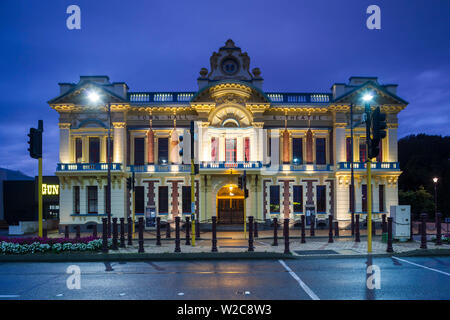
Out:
{"x": 100, "y": 257}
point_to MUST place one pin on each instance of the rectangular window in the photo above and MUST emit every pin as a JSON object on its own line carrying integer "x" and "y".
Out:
{"x": 297, "y": 150}
{"x": 380, "y": 154}
{"x": 78, "y": 150}
{"x": 246, "y": 149}
{"x": 163, "y": 200}
{"x": 321, "y": 199}
{"x": 186, "y": 196}
{"x": 364, "y": 197}
{"x": 163, "y": 150}
{"x": 92, "y": 199}
{"x": 274, "y": 199}
{"x": 349, "y": 149}
{"x": 139, "y": 199}
{"x": 214, "y": 149}
{"x": 381, "y": 198}
{"x": 298, "y": 199}
{"x": 362, "y": 150}
{"x": 230, "y": 150}
{"x": 320, "y": 151}
{"x": 76, "y": 199}
{"x": 94, "y": 150}
{"x": 139, "y": 151}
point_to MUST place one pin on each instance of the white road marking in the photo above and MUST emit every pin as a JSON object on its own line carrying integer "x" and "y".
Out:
{"x": 9, "y": 296}
{"x": 310, "y": 293}
{"x": 59, "y": 295}
{"x": 421, "y": 266}
{"x": 180, "y": 293}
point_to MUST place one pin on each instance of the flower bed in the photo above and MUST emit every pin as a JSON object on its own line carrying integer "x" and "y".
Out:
{"x": 444, "y": 238}
{"x": 43, "y": 245}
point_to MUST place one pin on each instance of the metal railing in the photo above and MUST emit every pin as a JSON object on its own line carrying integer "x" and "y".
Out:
{"x": 375, "y": 165}
{"x": 87, "y": 167}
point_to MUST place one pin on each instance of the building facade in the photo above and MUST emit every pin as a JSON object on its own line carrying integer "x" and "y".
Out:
{"x": 294, "y": 147}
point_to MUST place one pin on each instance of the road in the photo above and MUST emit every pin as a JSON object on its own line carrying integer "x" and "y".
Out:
{"x": 403, "y": 278}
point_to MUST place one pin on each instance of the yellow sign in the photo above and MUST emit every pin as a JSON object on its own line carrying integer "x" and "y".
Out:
{"x": 50, "y": 189}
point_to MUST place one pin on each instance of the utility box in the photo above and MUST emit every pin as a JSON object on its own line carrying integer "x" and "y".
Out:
{"x": 401, "y": 222}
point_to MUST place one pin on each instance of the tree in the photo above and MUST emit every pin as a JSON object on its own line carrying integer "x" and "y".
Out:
{"x": 420, "y": 200}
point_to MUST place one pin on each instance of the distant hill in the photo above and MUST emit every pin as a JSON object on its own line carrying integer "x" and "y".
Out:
{"x": 6, "y": 174}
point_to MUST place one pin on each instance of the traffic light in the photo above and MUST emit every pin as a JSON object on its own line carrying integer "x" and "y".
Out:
{"x": 241, "y": 182}
{"x": 378, "y": 132}
{"x": 180, "y": 144}
{"x": 35, "y": 143}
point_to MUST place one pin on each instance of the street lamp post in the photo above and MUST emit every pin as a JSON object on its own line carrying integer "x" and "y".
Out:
{"x": 352, "y": 183}
{"x": 435, "y": 180}
{"x": 367, "y": 98}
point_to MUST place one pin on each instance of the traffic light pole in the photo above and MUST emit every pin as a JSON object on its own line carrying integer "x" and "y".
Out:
{"x": 133, "y": 204}
{"x": 369, "y": 180}
{"x": 192, "y": 133}
{"x": 40, "y": 197}
{"x": 108, "y": 194}
{"x": 245, "y": 202}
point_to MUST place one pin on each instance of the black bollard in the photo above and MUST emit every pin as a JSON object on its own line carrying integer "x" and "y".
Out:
{"x": 168, "y": 230}
{"x": 141, "y": 234}
{"x": 312, "y": 231}
{"x": 158, "y": 231}
{"x": 336, "y": 229}
{"x": 187, "y": 225}
{"x": 44, "y": 233}
{"x": 130, "y": 231}
{"x": 374, "y": 228}
{"x": 250, "y": 234}
{"x": 383, "y": 224}
{"x": 66, "y": 232}
{"x": 177, "y": 234}
{"x": 357, "y": 238}
{"x": 122, "y": 232}
{"x": 389, "y": 238}
{"x": 214, "y": 235}
{"x": 423, "y": 229}
{"x": 438, "y": 230}
{"x": 353, "y": 224}
{"x": 330, "y": 228}
{"x": 275, "y": 232}
{"x": 197, "y": 229}
{"x": 286, "y": 236}
{"x": 77, "y": 227}
{"x": 255, "y": 231}
{"x": 105, "y": 235}
{"x": 94, "y": 230}
{"x": 411, "y": 231}
{"x": 303, "y": 229}
{"x": 115, "y": 234}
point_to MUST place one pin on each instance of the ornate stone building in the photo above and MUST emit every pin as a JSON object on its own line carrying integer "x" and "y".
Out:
{"x": 295, "y": 147}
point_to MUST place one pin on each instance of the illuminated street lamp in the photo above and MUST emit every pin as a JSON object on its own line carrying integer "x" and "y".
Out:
{"x": 435, "y": 180}
{"x": 95, "y": 98}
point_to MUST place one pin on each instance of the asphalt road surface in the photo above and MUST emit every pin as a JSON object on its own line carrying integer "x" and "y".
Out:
{"x": 400, "y": 278}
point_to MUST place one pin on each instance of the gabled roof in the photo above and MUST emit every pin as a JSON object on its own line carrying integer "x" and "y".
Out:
{"x": 83, "y": 84}
{"x": 376, "y": 86}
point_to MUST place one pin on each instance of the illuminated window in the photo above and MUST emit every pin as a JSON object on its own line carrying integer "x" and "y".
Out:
{"x": 320, "y": 151}
{"x": 139, "y": 154}
{"x": 298, "y": 199}
{"x": 362, "y": 151}
{"x": 321, "y": 199}
{"x": 214, "y": 149}
{"x": 247, "y": 149}
{"x": 163, "y": 150}
{"x": 230, "y": 150}
{"x": 186, "y": 197}
{"x": 139, "y": 199}
{"x": 163, "y": 200}
{"x": 76, "y": 199}
{"x": 78, "y": 150}
{"x": 274, "y": 199}
{"x": 297, "y": 150}
{"x": 94, "y": 150}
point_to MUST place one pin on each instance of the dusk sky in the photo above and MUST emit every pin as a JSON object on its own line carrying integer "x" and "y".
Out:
{"x": 300, "y": 46}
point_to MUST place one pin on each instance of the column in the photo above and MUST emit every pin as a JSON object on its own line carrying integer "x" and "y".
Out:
{"x": 275, "y": 146}
{"x": 150, "y": 146}
{"x": 64, "y": 143}
{"x": 392, "y": 144}
{"x": 339, "y": 144}
{"x": 85, "y": 146}
{"x": 222, "y": 147}
{"x": 309, "y": 147}
{"x": 240, "y": 148}
{"x": 103, "y": 149}
{"x": 119, "y": 138}
{"x": 286, "y": 141}
{"x": 342, "y": 201}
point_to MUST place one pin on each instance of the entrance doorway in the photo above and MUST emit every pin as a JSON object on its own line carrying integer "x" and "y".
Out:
{"x": 230, "y": 205}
